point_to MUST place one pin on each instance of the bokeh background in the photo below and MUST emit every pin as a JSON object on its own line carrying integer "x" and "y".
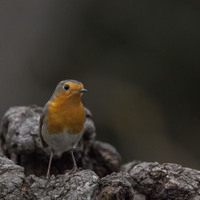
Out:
{"x": 138, "y": 59}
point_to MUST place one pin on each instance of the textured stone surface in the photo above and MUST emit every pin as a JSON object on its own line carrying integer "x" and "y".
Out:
{"x": 145, "y": 181}
{"x": 166, "y": 181}
{"x": 19, "y": 130}
{"x": 82, "y": 185}
{"x": 11, "y": 180}
{"x": 100, "y": 177}
{"x": 119, "y": 186}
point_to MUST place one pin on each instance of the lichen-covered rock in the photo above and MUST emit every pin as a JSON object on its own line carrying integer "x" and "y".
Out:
{"x": 136, "y": 181}
{"x": 82, "y": 185}
{"x": 19, "y": 130}
{"x": 119, "y": 186}
{"x": 11, "y": 180}
{"x": 166, "y": 181}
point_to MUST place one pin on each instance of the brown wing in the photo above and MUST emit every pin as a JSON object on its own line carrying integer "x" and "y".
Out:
{"x": 44, "y": 144}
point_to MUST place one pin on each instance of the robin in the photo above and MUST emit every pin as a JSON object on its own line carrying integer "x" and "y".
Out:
{"x": 62, "y": 121}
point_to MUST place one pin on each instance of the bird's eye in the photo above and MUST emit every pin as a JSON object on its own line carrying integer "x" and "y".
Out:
{"x": 66, "y": 87}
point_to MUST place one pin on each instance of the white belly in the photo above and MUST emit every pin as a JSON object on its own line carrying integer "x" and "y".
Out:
{"x": 62, "y": 141}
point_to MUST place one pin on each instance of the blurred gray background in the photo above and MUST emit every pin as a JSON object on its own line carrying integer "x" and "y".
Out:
{"x": 138, "y": 59}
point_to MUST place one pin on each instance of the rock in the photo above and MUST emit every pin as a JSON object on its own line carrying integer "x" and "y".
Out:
{"x": 20, "y": 142}
{"x": 118, "y": 186}
{"x": 11, "y": 180}
{"x": 82, "y": 185}
{"x": 166, "y": 181}
{"x": 129, "y": 166}
{"x": 100, "y": 178}
{"x": 19, "y": 130}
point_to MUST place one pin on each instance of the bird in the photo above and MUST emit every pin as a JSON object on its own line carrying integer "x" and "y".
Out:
{"x": 61, "y": 123}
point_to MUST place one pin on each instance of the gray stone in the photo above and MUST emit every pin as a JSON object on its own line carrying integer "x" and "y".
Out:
{"x": 102, "y": 178}
{"x": 82, "y": 185}
{"x": 11, "y": 180}
{"x": 166, "y": 181}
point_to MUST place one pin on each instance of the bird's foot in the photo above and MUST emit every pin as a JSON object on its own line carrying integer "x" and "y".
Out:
{"x": 73, "y": 170}
{"x": 47, "y": 181}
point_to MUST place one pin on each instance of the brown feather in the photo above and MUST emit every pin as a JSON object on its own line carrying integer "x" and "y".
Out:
{"x": 44, "y": 144}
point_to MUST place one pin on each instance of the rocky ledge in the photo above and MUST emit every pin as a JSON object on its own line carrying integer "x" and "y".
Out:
{"x": 23, "y": 165}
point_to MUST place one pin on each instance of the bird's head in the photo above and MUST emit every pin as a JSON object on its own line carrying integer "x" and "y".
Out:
{"x": 69, "y": 89}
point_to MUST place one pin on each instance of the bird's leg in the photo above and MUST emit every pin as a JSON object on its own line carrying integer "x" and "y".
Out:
{"x": 49, "y": 166}
{"x": 74, "y": 161}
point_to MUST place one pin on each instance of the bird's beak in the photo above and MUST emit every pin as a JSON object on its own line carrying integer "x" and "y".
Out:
{"x": 82, "y": 90}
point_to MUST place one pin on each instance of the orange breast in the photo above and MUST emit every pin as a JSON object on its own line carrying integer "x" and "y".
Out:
{"x": 65, "y": 114}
